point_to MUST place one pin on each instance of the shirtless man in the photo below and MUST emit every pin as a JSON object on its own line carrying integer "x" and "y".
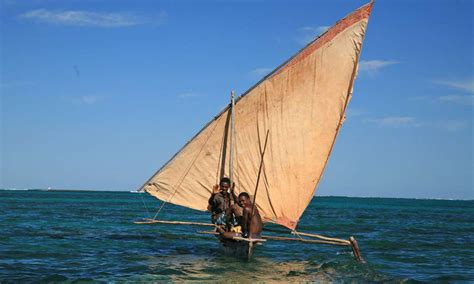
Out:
{"x": 251, "y": 225}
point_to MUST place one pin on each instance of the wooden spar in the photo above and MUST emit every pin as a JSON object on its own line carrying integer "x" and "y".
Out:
{"x": 248, "y": 239}
{"x": 355, "y": 249}
{"x": 276, "y": 238}
{"x": 232, "y": 140}
{"x": 258, "y": 176}
{"x": 321, "y": 237}
{"x": 153, "y": 221}
{"x": 303, "y": 240}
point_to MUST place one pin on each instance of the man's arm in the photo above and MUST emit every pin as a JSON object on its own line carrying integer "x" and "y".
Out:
{"x": 246, "y": 218}
{"x": 234, "y": 196}
{"x": 215, "y": 190}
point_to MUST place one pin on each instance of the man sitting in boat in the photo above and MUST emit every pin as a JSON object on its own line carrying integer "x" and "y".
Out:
{"x": 251, "y": 225}
{"x": 219, "y": 202}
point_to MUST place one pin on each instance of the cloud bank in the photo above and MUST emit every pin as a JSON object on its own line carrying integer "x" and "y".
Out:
{"x": 373, "y": 66}
{"x": 465, "y": 100}
{"x": 87, "y": 18}
{"x": 260, "y": 72}
{"x": 412, "y": 122}
{"x": 307, "y": 34}
{"x": 395, "y": 121}
{"x": 463, "y": 85}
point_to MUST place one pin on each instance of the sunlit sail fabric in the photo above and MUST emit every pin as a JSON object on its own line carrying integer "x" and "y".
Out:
{"x": 301, "y": 104}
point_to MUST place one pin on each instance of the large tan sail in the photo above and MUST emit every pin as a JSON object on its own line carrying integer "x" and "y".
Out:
{"x": 301, "y": 104}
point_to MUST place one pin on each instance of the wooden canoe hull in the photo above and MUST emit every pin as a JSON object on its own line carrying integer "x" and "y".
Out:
{"x": 239, "y": 249}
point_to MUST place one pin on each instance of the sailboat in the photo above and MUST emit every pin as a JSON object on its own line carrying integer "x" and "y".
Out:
{"x": 274, "y": 140}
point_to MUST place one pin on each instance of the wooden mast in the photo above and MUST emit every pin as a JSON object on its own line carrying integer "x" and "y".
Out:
{"x": 232, "y": 139}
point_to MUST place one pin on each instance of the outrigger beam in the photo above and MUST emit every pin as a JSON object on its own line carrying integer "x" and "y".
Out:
{"x": 351, "y": 243}
{"x": 154, "y": 221}
{"x": 322, "y": 239}
{"x": 276, "y": 238}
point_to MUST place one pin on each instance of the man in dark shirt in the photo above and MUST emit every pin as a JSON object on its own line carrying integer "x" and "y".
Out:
{"x": 220, "y": 202}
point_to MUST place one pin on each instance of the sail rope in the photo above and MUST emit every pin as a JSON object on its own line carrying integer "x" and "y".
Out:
{"x": 294, "y": 232}
{"x": 144, "y": 204}
{"x": 180, "y": 181}
{"x": 159, "y": 209}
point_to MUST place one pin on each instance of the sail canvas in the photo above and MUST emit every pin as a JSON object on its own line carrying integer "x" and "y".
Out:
{"x": 301, "y": 104}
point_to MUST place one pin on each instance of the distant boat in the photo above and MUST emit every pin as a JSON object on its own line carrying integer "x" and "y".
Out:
{"x": 300, "y": 108}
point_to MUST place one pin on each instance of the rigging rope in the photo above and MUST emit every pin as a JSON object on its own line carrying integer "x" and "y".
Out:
{"x": 294, "y": 232}
{"x": 144, "y": 204}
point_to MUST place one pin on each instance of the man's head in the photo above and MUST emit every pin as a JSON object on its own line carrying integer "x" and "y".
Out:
{"x": 244, "y": 199}
{"x": 224, "y": 184}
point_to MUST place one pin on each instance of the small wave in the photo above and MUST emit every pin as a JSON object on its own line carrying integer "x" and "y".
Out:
{"x": 54, "y": 278}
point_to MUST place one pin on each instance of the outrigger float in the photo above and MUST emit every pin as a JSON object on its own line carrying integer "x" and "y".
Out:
{"x": 278, "y": 136}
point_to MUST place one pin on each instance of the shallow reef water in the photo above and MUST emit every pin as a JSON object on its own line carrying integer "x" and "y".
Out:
{"x": 86, "y": 236}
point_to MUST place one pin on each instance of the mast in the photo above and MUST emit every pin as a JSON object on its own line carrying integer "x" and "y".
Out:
{"x": 232, "y": 138}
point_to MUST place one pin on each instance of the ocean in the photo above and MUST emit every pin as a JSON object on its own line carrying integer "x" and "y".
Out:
{"x": 89, "y": 236}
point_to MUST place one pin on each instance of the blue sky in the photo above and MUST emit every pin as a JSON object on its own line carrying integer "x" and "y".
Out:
{"x": 99, "y": 94}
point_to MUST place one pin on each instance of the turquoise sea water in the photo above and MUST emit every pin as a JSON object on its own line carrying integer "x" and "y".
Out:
{"x": 71, "y": 236}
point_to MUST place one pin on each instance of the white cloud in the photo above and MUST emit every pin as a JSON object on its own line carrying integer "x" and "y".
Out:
{"x": 466, "y": 100}
{"x": 260, "y": 72}
{"x": 395, "y": 121}
{"x": 89, "y": 99}
{"x": 351, "y": 112}
{"x": 188, "y": 95}
{"x": 87, "y": 18}
{"x": 372, "y": 66}
{"x": 410, "y": 122}
{"x": 464, "y": 85}
{"x": 307, "y": 34}
{"x": 452, "y": 125}
{"x": 83, "y": 100}
{"x": 17, "y": 84}
{"x": 455, "y": 99}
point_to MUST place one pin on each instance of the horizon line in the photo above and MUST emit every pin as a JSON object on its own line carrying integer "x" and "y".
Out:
{"x": 135, "y": 191}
